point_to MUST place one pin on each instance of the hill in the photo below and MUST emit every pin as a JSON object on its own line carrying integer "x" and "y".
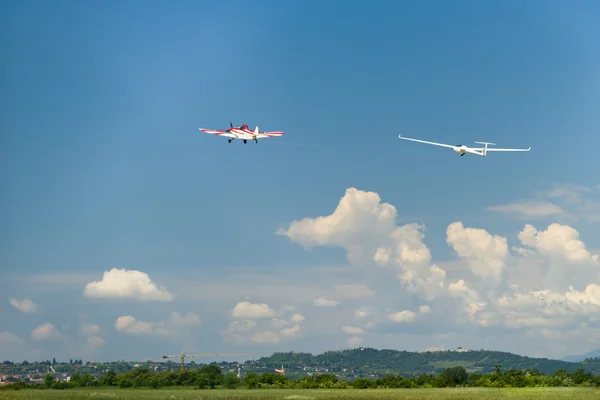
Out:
{"x": 373, "y": 362}
{"x": 581, "y": 357}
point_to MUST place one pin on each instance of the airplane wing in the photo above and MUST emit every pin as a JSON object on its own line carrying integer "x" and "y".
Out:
{"x": 424, "y": 141}
{"x": 216, "y": 132}
{"x": 495, "y": 149}
{"x": 268, "y": 134}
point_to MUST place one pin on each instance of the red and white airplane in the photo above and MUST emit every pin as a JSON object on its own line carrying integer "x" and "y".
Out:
{"x": 242, "y": 133}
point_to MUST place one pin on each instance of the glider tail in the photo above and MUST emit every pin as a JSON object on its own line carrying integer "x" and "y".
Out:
{"x": 485, "y": 146}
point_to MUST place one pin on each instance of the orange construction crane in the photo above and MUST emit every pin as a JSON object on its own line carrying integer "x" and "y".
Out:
{"x": 183, "y": 356}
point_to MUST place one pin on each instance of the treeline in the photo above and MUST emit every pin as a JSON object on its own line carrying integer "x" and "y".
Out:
{"x": 212, "y": 377}
{"x": 406, "y": 363}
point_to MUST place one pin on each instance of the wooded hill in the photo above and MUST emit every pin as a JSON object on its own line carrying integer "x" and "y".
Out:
{"x": 366, "y": 361}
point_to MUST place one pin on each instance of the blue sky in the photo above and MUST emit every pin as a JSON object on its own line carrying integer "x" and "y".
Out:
{"x": 103, "y": 167}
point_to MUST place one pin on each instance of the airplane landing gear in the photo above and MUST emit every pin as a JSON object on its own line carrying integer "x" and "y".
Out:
{"x": 256, "y": 140}
{"x": 462, "y": 154}
{"x": 245, "y": 141}
{"x": 229, "y": 140}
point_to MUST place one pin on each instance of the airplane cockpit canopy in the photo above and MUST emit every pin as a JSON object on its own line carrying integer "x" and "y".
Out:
{"x": 244, "y": 126}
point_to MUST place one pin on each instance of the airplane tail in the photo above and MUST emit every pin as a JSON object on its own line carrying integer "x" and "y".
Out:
{"x": 256, "y": 131}
{"x": 485, "y": 146}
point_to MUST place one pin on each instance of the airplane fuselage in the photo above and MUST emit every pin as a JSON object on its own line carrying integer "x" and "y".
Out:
{"x": 462, "y": 150}
{"x": 242, "y": 134}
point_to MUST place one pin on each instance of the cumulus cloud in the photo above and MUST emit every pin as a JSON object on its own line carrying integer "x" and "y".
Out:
{"x": 424, "y": 309}
{"x": 129, "y": 284}
{"x": 259, "y": 323}
{"x": 25, "y": 305}
{"x": 45, "y": 331}
{"x": 245, "y": 309}
{"x": 484, "y": 253}
{"x": 404, "y": 316}
{"x": 357, "y": 223}
{"x": 480, "y": 287}
{"x": 366, "y": 228}
{"x": 324, "y": 302}
{"x": 557, "y": 240}
{"x": 352, "y": 330}
{"x": 542, "y": 282}
{"x": 130, "y": 325}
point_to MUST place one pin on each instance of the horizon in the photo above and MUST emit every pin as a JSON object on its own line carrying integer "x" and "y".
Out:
{"x": 176, "y": 360}
{"x": 127, "y": 233}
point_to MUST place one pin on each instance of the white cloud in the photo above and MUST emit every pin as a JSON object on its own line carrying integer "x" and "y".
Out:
{"x": 569, "y": 193}
{"x": 167, "y": 328}
{"x": 129, "y": 284}
{"x": 45, "y": 332}
{"x": 557, "y": 240}
{"x": 357, "y": 224}
{"x": 577, "y": 203}
{"x": 540, "y": 283}
{"x": 528, "y": 209}
{"x": 324, "y": 302}
{"x": 366, "y": 228}
{"x": 245, "y": 309}
{"x": 259, "y": 323}
{"x": 25, "y": 305}
{"x": 352, "y": 330}
{"x": 484, "y": 253}
{"x": 481, "y": 288}
{"x": 424, "y": 309}
{"x": 402, "y": 316}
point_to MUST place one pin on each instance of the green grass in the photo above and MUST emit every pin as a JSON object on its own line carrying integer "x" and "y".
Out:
{"x": 315, "y": 394}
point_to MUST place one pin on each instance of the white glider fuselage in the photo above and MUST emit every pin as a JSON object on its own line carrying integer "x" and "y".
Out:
{"x": 462, "y": 150}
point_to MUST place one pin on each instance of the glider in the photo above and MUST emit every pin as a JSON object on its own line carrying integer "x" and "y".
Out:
{"x": 242, "y": 133}
{"x": 462, "y": 149}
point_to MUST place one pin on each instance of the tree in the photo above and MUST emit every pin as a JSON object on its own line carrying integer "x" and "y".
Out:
{"x": 48, "y": 380}
{"x": 109, "y": 379}
{"x": 213, "y": 373}
{"x": 202, "y": 381}
{"x": 230, "y": 381}
{"x": 251, "y": 380}
{"x": 456, "y": 375}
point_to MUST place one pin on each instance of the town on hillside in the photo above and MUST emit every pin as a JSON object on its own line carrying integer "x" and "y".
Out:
{"x": 347, "y": 364}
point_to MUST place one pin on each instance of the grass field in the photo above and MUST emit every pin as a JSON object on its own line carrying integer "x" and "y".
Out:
{"x": 290, "y": 394}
